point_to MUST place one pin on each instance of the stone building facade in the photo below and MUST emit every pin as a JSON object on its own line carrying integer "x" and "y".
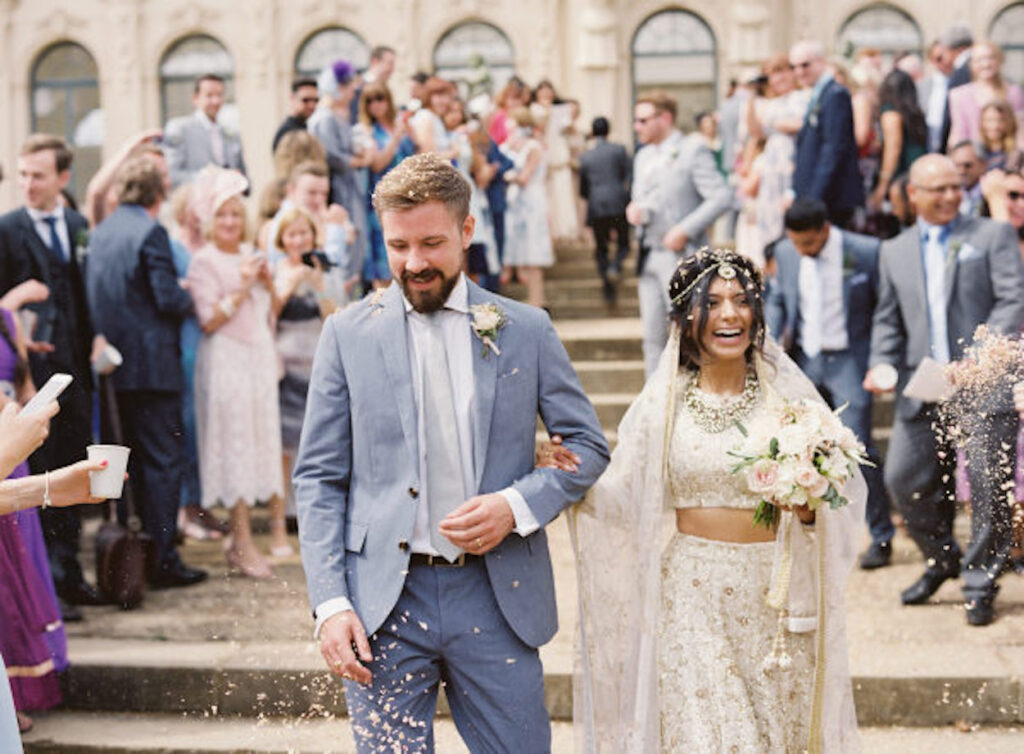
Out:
{"x": 100, "y": 71}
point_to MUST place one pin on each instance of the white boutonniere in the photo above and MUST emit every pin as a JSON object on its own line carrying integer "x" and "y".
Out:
{"x": 488, "y": 319}
{"x": 81, "y": 244}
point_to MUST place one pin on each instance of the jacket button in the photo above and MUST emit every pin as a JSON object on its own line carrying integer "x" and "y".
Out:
{"x": 403, "y": 546}
{"x": 414, "y": 492}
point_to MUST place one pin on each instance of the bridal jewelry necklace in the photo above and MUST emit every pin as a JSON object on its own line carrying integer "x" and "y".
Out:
{"x": 717, "y": 417}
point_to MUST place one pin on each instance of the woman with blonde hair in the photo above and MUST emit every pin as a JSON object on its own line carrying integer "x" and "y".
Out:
{"x": 427, "y": 124}
{"x": 774, "y": 119}
{"x": 998, "y": 133}
{"x": 237, "y": 413}
{"x": 528, "y": 232}
{"x": 295, "y": 148}
{"x": 987, "y": 84}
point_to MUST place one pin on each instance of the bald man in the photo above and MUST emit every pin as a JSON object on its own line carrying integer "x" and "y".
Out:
{"x": 938, "y": 281}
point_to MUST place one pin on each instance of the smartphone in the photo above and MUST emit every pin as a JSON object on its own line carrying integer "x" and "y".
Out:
{"x": 54, "y": 386}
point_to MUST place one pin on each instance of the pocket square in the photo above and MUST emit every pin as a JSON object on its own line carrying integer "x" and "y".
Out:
{"x": 967, "y": 253}
{"x": 859, "y": 278}
{"x": 511, "y": 373}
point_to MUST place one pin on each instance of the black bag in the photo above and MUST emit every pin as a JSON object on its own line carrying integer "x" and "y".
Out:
{"x": 122, "y": 551}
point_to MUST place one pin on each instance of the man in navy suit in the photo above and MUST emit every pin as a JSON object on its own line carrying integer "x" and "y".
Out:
{"x": 820, "y": 307}
{"x": 826, "y": 151}
{"x": 138, "y": 304}
{"x": 43, "y": 241}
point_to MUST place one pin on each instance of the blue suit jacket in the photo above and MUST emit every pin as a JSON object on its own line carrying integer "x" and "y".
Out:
{"x": 860, "y": 293}
{"x": 357, "y": 478}
{"x": 136, "y": 300}
{"x": 826, "y": 166}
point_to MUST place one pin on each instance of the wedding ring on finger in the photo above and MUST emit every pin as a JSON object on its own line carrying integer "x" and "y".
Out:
{"x": 479, "y": 542}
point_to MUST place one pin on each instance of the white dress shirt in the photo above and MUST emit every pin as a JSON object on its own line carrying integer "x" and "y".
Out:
{"x": 43, "y": 228}
{"x": 935, "y": 115}
{"x": 458, "y": 341}
{"x": 822, "y": 314}
{"x": 216, "y": 137}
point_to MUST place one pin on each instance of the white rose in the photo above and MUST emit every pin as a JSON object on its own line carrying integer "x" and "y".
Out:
{"x": 808, "y": 477}
{"x": 486, "y": 320}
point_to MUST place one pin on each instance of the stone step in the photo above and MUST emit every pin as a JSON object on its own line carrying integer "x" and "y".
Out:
{"x": 287, "y": 679}
{"x": 626, "y": 307}
{"x": 559, "y": 290}
{"x": 600, "y": 339}
{"x": 109, "y": 733}
{"x": 611, "y": 376}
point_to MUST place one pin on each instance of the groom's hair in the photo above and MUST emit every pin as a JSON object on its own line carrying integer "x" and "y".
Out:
{"x": 420, "y": 179}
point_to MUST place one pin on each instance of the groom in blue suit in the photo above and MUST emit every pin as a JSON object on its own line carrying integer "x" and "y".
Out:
{"x": 421, "y": 515}
{"x": 819, "y": 307}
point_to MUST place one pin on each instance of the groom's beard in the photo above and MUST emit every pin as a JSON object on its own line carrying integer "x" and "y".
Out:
{"x": 428, "y": 301}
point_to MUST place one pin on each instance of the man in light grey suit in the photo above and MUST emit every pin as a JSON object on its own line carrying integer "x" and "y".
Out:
{"x": 677, "y": 194}
{"x": 938, "y": 281}
{"x": 421, "y": 515}
{"x": 197, "y": 140}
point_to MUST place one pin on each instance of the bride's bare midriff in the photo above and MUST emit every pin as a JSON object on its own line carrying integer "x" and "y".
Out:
{"x": 722, "y": 524}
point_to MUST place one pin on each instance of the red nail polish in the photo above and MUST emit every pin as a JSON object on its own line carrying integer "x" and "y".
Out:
{"x": 103, "y": 464}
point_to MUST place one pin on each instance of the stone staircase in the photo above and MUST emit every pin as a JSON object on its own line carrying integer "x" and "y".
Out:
{"x": 229, "y": 665}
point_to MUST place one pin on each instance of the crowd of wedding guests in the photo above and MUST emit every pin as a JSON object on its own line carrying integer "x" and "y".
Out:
{"x": 214, "y": 318}
{"x": 177, "y": 316}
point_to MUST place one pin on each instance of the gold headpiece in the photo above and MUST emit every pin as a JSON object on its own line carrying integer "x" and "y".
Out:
{"x": 724, "y": 266}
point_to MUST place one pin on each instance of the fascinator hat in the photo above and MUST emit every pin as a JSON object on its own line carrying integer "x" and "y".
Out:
{"x": 212, "y": 187}
{"x": 334, "y": 75}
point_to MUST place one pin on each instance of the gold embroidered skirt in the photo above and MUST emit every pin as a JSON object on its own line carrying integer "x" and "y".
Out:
{"x": 715, "y": 632}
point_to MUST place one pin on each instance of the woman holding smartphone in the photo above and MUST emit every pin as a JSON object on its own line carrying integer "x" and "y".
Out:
{"x": 237, "y": 413}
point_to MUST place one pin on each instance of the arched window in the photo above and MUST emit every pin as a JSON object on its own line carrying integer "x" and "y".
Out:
{"x": 185, "y": 61}
{"x": 675, "y": 51}
{"x": 883, "y": 27}
{"x": 66, "y": 102}
{"x": 477, "y": 56}
{"x": 1007, "y": 30}
{"x": 325, "y": 46}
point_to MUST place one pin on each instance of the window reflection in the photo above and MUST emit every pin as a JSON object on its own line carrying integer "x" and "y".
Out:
{"x": 478, "y": 57}
{"x": 1007, "y": 30}
{"x": 182, "y": 64}
{"x": 327, "y": 45}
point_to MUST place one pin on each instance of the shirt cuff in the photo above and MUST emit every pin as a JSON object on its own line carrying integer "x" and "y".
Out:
{"x": 526, "y": 522}
{"x": 327, "y": 609}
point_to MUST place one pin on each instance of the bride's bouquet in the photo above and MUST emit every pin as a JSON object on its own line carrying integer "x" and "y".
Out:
{"x": 801, "y": 454}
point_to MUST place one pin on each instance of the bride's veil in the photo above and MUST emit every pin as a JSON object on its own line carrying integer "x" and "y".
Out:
{"x": 618, "y": 534}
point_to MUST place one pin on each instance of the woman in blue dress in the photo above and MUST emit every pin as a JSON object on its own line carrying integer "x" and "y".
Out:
{"x": 378, "y": 121}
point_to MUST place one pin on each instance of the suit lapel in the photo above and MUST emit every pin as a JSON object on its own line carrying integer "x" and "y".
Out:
{"x": 960, "y": 232}
{"x": 915, "y": 266}
{"x": 392, "y": 338}
{"x": 39, "y": 250}
{"x": 485, "y": 377}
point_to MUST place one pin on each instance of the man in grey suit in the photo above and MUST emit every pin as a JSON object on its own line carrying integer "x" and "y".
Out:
{"x": 938, "y": 281}
{"x": 421, "y": 515}
{"x": 197, "y": 140}
{"x": 677, "y": 194}
{"x": 605, "y": 173}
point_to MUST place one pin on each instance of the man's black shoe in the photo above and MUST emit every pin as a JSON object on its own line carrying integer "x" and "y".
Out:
{"x": 68, "y": 612}
{"x": 980, "y": 612}
{"x": 179, "y": 575}
{"x": 82, "y": 593}
{"x": 878, "y": 555}
{"x": 929, "y": 583}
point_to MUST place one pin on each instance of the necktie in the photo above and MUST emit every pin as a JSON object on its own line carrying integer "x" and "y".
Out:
{"x": 935, "y": 281}
{"x": 55, "y": 243}
{"x": 810, "y": 282}
{"x": 217, "y": 145}
{"x": 445, "y": 488}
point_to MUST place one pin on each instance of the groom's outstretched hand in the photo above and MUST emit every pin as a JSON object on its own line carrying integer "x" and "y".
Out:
{"x": 479, "y": 524}
{"x": 337, "y": 636}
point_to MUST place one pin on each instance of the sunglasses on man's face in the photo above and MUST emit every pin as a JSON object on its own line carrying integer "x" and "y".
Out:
{"x": 309, "y": 100}
{"x": 1015, "y": 196}
{"x": 376, "y": 98}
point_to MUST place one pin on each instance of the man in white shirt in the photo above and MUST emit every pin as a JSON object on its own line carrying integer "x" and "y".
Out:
{"x": 819, "y": 306}
{"x": 197, "y": 140}
{"x": 933, "y": 95}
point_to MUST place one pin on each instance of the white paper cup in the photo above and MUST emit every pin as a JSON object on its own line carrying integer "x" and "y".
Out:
{"x": 108, "y": 360}
{"x": 884, "y": 376}
{"x": 109, "y": 482}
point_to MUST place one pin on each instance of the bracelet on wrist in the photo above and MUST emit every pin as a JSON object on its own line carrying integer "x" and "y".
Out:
{"x": 227, "y": 307}
{"x": 46, "y": 490}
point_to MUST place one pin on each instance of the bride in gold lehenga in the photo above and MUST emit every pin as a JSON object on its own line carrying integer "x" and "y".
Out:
{"x": 679, "y": 648}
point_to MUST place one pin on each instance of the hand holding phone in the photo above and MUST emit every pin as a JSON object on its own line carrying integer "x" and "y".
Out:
{"x": 54, "y": 386}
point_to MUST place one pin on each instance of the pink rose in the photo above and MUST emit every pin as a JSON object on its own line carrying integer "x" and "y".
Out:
{"x": 762, "y": 476}
{"x": 808, "y": 477}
